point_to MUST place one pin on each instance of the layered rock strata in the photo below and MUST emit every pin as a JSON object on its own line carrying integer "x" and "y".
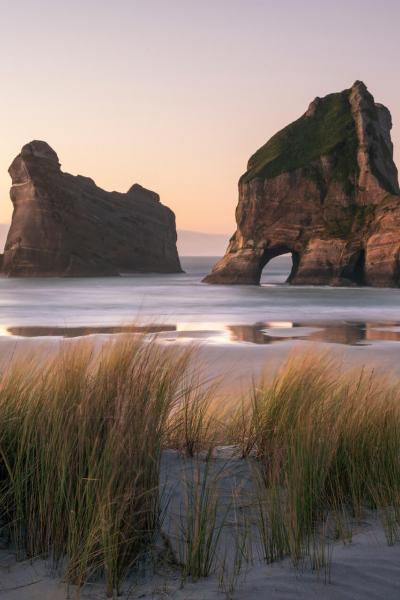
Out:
{"x": 325, "y": 190}
{"x": 65, "y": 225}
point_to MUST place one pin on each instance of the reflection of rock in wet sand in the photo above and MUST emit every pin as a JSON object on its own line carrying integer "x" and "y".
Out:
{"x": 382, "y": 331}
{"x": 349, "y": 333}
{"x": 69, "y": 332}
{"x": 249, "y": 333}
{"x": 354, "y": 333}
{"x": 335, "y": 333}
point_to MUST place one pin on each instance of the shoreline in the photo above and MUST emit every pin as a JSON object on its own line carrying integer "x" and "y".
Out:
{"x": 233, "y": 364}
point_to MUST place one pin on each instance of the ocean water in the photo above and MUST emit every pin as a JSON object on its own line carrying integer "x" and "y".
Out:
{"x": 180, "y": 302}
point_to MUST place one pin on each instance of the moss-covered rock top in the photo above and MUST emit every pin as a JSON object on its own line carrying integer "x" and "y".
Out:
{"x": 329, "y": 129}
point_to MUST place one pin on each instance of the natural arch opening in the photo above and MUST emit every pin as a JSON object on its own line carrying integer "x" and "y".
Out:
{"x": 359, "y": 269}
{"x": 281, "y": 267}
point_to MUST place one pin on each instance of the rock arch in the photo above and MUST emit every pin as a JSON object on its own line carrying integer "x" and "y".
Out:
{"x": 325, "y": 188}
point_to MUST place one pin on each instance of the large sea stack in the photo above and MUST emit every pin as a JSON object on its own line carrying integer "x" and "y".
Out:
{"x": 64, "y": 225}
{"x": 324, "y": 189}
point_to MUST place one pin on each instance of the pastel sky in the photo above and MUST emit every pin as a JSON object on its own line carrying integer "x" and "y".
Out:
{"x": 176, "y": 94}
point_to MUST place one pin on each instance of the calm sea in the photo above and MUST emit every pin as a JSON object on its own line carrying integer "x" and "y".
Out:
{"x": 181, "y": 302}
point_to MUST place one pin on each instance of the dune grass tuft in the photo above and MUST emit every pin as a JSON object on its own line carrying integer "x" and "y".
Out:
{"x": 327, "y": 445}
{"x": 81, "y": 437}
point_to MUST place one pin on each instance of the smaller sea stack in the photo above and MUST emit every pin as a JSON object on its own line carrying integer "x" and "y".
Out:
{"x": 65, "y": 225}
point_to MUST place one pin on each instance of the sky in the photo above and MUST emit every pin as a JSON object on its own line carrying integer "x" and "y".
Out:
{"x": 177, "y": 94}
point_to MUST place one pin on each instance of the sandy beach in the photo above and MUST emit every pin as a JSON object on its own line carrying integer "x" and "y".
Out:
{"x": 235, "y": 364}
{"x": 365, "y": 567}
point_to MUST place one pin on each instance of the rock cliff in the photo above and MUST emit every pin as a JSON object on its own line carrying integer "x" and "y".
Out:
{"x": 324, "y": 189}
{"x": 64, "y": 225}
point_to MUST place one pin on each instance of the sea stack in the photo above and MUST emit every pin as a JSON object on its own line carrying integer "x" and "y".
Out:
{"x": 64, "y": 225}
{"x": 324, "y": 189}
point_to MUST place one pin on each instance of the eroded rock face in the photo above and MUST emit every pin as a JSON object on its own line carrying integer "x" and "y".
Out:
{"x": 324, "y": 189}
{"x": 64, "y": 225}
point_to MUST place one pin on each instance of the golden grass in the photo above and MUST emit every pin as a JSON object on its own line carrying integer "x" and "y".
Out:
{"x": 328, "y": 444}
{"x": 80, "y": 446}
{"x": 81, "y": 437}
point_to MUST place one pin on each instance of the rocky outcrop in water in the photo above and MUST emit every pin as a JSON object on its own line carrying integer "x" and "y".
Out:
{"x": 64, "y": 225}
{"x": 324, "y": 189}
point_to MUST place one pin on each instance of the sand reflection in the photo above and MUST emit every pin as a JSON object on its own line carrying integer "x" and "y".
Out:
{"x": 349, "y": 333}
{"x": 352, "y": 333}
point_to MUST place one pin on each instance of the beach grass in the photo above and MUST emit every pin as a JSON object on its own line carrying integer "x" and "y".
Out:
{"x": 200, "y": 527}
{"x": 194, "y": 423}
{"x": 328, "y": 449}
{"x": 81, "y": 436}
{"x": 82, "y": 432}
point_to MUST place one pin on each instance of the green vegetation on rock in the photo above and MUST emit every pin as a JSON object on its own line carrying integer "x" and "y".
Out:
{"x": 330, "y": 131}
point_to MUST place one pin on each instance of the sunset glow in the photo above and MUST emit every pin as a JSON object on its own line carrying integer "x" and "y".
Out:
{"x": 177, "y": 95}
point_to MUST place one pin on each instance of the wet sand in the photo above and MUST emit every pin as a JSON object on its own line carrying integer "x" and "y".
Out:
{"x": 236, "y": 354}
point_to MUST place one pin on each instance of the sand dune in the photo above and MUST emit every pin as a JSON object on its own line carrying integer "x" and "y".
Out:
{"x": 365, "y": 568}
